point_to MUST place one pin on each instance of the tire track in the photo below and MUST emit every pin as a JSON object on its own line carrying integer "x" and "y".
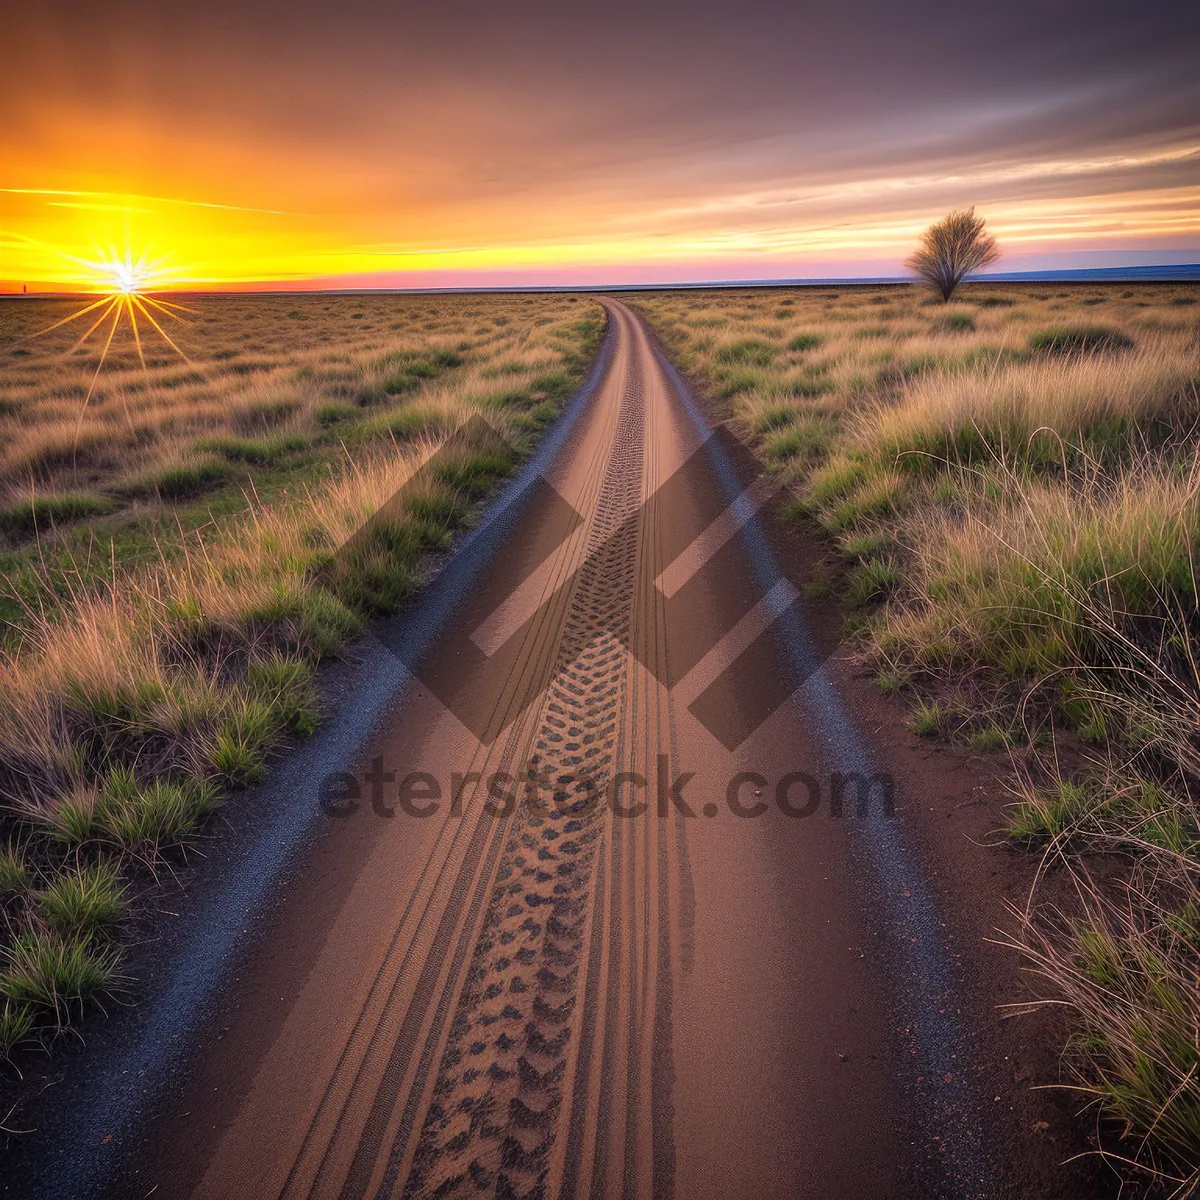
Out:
{"x": 492, "y": 1128}
{"x": 395, "y": 1025}
{"x": 346, "y": 1133}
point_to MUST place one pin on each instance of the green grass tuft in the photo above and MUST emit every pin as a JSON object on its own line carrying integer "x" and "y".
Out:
{"x": 288, "y": 686}
{"x": 49, "y": 972}
{"x": 772, "y": 417}
{"x": 1084, "y": 339}
{"x": 150, "y": 817}
{"x": 750, "y": 352}
{"x": 14, "y": 874}
{"x": 258, "y": 451}
{"x": 869, "y": 544}
{"x": 176, "y": 483}
{"x": 239, "y": 753}
{"x": 1053, "y": 812}
{"x": 931, "y": 720}
{"x": 473, "y": 474}
{"x": 872, "y": 581}
{"x": 335, "y": 414}
{"x": 84, "y": 901}
{"x": 988, "y": 739}
{"x": 890, "y": 681}
{"x": 46, "y": 509}
{"x": 16, "y": 1027}
{"x": 956, "y": 322}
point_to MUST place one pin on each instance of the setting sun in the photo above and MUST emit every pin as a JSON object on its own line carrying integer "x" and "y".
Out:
{"x": 122, "y": 284}
{"x": 125, "y": 277}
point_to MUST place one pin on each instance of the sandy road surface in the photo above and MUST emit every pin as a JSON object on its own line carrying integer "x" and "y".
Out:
{"x": 564, "y": 999}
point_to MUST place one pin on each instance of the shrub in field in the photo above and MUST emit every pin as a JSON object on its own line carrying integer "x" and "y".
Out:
{"x": 951, "y": 249}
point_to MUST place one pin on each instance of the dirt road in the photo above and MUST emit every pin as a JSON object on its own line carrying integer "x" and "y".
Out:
{"x": 597, "y": 911}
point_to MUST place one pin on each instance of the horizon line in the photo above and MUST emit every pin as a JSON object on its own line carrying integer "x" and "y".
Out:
{"x": 1147, "y": 273}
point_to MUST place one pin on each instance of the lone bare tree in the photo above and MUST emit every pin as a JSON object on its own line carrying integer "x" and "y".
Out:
{"x": 951, "y": 249}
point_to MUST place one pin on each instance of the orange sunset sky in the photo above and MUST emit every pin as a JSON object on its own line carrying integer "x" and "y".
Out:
{"x": 359, "y": 144}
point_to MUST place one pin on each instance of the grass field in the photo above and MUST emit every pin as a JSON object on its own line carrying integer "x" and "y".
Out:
{"x": 165, "y": 550}
{"x": 1010, "y": 489}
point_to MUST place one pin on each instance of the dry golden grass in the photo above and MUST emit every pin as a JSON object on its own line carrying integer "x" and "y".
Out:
{"x": 257, "y": 366}
{"x": 278, "y": 391}
{"x": 1069, "y": 397}
{"x": 169, "y": 559}
{"x": 1015, "y": 481}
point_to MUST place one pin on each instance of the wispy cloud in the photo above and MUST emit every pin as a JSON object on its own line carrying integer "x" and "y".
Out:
{"x": 84, "y": 195}
{"x": 91, "y": 206}
{"x": 981, "y": 176}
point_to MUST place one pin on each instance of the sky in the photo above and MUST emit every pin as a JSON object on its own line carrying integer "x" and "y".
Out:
{"x": 315, "y": 144}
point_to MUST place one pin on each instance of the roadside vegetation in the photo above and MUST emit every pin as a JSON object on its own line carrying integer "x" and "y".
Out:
{"x": 166, "y": 591}
{"x": 1011, "y": 483}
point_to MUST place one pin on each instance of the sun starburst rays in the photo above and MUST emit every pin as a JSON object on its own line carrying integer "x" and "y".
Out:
{"x": 124, "y": 285}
